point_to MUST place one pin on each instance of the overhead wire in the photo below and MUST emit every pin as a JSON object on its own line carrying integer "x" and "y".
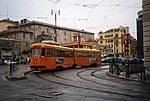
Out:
{"x": 112, "y": 11}
{"x": 89, "y": 14}
{"x": 114, "y": 8}
{"x": 30, "y": 8}
{"x": 100, "y": 2}
{"x": 53, "y": 1}
{"x": 92, "y": 7}
{"x": 121, "y": 10}
{"x": 74, "y": 8}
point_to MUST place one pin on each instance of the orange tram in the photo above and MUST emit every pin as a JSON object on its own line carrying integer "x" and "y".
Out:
{"x": 53, "y": 57}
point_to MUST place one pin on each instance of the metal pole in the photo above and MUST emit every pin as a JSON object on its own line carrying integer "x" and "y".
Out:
{"x": 127, "y": 70}
{"x": 143, "y": 73}
{"x": 79, "y": 40}
{"x": 117, "y": 67}
{"x": 55, "y": 19}
{"x": 55, "y": 27}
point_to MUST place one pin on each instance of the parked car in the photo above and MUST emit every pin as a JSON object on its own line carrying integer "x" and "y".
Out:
{"x": 136, "y": 61}
{"x": 23, "y": 61}
{"x": 108, "y": 59}
{"x": 7, "y": 62}
{"x": 1, "y": 62}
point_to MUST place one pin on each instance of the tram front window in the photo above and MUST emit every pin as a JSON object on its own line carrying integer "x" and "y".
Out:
{"x": 36, "y": 52}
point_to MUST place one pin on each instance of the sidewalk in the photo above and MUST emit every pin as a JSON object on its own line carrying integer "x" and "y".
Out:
{"x": 19, "y": 73}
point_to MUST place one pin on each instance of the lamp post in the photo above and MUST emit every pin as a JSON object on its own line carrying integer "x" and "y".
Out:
{"x": 55, "y": 14}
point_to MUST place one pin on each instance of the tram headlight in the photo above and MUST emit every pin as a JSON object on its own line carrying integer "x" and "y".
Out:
{"x": 35, "y": 62}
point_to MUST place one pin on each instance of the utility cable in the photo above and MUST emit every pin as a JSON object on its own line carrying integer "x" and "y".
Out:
{"x": 74, "y": 8}
{"x": 114, "y": 8}
{"x": 30, "y": 8}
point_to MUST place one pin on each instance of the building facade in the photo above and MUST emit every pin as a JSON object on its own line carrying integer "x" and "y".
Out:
{"x": 44, "y": 31}
{"x": 29, "y": 32}
{"x": 146, "y": 30}
{"x": 5, "y": 23}
{"x": 140, "y": 48}
{"x": 24, "y": 39}
{"x": 8, "y": 48}
{"x": 112, "y": 42}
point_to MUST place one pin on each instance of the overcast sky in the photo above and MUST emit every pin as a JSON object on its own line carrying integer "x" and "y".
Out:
{"x": 90, "y": 15}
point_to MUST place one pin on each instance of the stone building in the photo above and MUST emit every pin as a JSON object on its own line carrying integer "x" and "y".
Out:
{"x": 140, "y": 48}
{"x": 29, "y": 32}
{"x": 8, "y": 48}
{"x": 146, "y": 31}
{"x": 23, "y": 38}
{"x": 5, "y": 23}
{"x": 44, "y": 31}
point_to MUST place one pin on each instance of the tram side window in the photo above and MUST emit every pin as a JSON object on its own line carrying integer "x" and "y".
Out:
{"x": 79, "y": 54}
{"x": 83, "y": 54}
{"x": 60, "y": 53}
{"x": 87, "y": 54}
{"x": 93, "y": 55}
{"x": 90, "y": 54}
{"x": 98, "y": 54}
{"x": 70, "y": 54}
{"x": 53, "y": 52}
{"x": 57, "y": 53}
{"x": 66, "y": 54}
{"x": 48, "y": 52}
{"x": 43, "y": 52}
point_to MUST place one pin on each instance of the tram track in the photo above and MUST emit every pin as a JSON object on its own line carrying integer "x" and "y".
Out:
{"x": 108, "y": 85}
{"x": 114, "y": 81}
{"x": 86, "y": 88}
{"x": 92, "y": 74}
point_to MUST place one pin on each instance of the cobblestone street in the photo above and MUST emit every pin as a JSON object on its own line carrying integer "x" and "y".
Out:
{"x": 82, "y": 84}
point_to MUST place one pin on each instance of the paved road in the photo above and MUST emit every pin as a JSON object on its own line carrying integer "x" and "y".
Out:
{"x": 83, "y": 84}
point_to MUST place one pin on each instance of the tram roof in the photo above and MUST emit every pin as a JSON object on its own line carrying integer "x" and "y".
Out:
{"x": 52, "y": 46}
{"x": 61, "y": 47}
{"x": 82, "y": 49}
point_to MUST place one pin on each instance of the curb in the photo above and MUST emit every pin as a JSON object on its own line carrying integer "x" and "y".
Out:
{"x": 123, "y": 77}
{"x": 23, "y": 77}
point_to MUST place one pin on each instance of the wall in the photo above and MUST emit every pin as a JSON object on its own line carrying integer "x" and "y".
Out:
{"x": 146, "y": 30}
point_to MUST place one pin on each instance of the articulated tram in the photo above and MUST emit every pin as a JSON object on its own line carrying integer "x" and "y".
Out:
{"x": 51, "y": 57}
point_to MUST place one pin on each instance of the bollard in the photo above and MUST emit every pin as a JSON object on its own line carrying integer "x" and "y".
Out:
{"x": 109, "y": 67}
{"x": 10, "y": 69}
{"x": 144, "y": 73}
{"x": 127, "y": 70}
{"x": 117, "y": 67}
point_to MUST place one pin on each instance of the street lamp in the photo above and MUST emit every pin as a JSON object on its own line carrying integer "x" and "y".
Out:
{"x": 55, "y": 13}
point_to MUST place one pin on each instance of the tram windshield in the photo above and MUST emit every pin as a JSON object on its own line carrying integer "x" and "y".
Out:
{"x": 36, "y": 52}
